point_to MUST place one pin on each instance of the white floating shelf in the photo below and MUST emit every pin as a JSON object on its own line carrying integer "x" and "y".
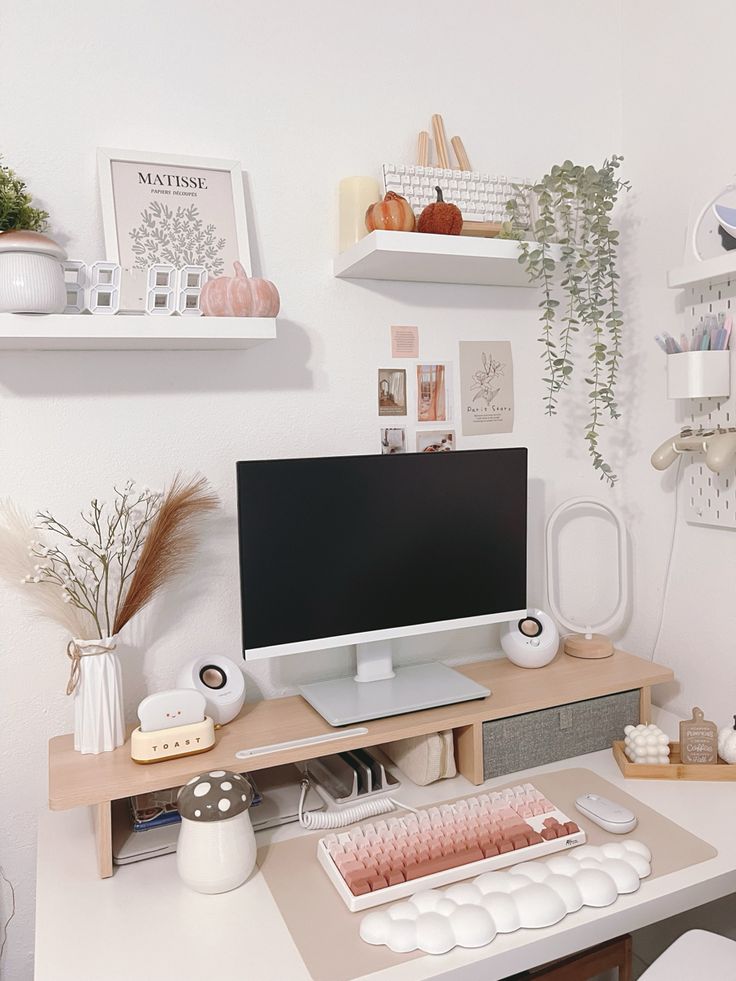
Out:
{"x": 722, "y": 267}
{"x": 418, "y": 258}
{"x": 85, "y": 332}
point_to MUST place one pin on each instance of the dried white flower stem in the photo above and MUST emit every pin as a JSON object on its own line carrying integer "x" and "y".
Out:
{"x": 94, "y": 575}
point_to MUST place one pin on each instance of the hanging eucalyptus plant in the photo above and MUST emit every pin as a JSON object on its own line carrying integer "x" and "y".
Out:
{"x": 572, "y": 257}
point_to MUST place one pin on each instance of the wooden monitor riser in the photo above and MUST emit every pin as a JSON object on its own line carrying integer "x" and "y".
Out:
{"x": 76, "y": 780}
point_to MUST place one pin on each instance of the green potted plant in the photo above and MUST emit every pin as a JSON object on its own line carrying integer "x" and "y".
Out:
{"x": 31, "y": 274}
{"x": 571, "y": 256}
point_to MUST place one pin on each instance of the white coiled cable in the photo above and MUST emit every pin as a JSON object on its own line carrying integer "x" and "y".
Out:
{"x": 329, "y": 820}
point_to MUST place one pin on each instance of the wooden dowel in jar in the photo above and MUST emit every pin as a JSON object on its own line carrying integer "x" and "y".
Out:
{"x": 462, "y": 157}
{"x": 440, "y": 142}
{"x": 423, "y": 149}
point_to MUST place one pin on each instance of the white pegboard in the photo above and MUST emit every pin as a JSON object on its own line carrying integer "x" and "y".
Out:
{"x": 711, "y": 497}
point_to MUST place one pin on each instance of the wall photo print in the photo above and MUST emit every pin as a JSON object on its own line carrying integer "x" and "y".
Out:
{"x": 486, "y": 387}
{"x": 431, "y": 441}
{"x": 393, "y": 441}
{"x": 391, "y": 392}
{"x": 431, "y": 393}
{"x": 166, "y": 208}
{"x": 404, "y": 342}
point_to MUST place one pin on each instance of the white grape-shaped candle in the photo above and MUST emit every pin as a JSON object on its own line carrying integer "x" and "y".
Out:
{"x": 646, "y": 744}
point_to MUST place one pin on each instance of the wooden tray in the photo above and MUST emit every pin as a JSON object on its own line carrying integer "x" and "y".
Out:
{"x": 674, "y": 770}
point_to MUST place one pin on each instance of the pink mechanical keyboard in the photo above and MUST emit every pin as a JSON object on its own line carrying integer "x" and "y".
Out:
{"x": 385, "y": 860}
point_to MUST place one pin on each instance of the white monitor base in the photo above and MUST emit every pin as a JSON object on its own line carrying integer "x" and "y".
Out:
{"x": 419, "y": 686}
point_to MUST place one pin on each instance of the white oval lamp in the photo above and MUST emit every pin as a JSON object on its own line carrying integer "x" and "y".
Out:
{"x": 592, "y": 641}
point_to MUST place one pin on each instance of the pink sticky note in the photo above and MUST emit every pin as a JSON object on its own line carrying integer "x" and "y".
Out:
{"x": 404, "y": 342}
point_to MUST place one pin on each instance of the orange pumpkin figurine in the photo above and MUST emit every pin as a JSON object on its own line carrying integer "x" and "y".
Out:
{"x": 239, "y": 296}
{"x": 393, "y": 214}
{"x": 441, "y": 218}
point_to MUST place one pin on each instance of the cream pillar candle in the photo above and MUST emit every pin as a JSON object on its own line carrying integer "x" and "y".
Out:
{"x": 356, "y": 195}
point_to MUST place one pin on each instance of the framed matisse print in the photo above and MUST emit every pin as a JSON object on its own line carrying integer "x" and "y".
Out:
{"x": 163, "y": 208}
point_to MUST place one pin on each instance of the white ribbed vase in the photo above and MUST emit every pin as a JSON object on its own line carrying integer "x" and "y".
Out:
{"x": 98, "y": 698}
{"x": 31, "y": 274}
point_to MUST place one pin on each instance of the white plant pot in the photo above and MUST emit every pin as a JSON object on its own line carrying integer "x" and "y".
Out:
{"x": 216, "y": 856}
{"x": 31, "y": 274}
{"x": 98, "y": 698}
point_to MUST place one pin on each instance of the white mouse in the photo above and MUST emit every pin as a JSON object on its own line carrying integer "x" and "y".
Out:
{"x": 611, "y": 817}
{"x": 175, "y": 707}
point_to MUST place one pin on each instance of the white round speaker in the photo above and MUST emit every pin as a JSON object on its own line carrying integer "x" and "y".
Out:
{"x": 221, "y": 682}
{"x": 532, "y": 641}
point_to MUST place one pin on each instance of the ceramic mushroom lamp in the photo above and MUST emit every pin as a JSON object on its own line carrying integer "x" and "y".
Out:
{"x": 216, "y": 851}
{"x": 31, "y": 273}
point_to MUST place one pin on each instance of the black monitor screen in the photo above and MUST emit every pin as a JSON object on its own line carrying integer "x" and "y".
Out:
{"x": 343, "y": 545}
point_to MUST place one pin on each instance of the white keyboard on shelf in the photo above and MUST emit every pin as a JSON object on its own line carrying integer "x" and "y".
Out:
{"x": 383, "y": 860}
{"x": 480, "y": 197}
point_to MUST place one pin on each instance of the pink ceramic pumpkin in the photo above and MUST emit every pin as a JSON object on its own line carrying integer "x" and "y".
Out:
{"x": 239, "y": 296}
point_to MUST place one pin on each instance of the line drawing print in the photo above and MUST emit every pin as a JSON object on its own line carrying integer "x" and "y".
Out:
{"x": 488, "y": 381}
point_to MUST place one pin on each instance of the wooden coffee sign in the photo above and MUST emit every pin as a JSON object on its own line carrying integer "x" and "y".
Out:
{"x": 698, "y": 739}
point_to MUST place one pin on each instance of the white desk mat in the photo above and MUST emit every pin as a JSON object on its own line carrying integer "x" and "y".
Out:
{"x": 326, "y": 933}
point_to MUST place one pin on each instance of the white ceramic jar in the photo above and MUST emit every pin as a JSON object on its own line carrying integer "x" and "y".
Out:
{"x": 216, "y": 851}
{"x": 31, "y": 273}
{"x": 727, "y": 742}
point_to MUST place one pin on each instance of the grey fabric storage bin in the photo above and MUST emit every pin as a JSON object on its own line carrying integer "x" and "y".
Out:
{"x": 536, "y": 738}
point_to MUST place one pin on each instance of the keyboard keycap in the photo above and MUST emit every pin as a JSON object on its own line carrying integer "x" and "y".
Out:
{"x": 480, "y": 197}
{"x": 498, "y": 827}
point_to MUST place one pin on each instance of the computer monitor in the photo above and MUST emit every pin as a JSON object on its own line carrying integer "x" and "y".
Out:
{"x": 366, "y": 549}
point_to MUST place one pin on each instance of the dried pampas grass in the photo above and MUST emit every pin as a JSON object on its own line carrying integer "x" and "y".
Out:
{"x": 18, "y": 564}
{"x": 170, "y": 542}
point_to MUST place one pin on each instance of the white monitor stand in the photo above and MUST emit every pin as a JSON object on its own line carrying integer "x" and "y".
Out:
{"x": 379, "y": 690}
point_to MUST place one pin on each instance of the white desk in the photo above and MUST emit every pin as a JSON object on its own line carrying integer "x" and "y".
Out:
{"x": 143, "y": 923}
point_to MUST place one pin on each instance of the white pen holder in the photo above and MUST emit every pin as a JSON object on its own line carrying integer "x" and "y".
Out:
{"x": 699, "y": 374}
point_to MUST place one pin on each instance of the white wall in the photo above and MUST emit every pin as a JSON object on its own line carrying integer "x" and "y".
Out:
{"x": 303, "y": 95}
{"x": 680, "y": 149}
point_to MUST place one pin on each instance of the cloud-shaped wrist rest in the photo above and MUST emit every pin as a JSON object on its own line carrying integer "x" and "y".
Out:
{"x": 528, "y": 895}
